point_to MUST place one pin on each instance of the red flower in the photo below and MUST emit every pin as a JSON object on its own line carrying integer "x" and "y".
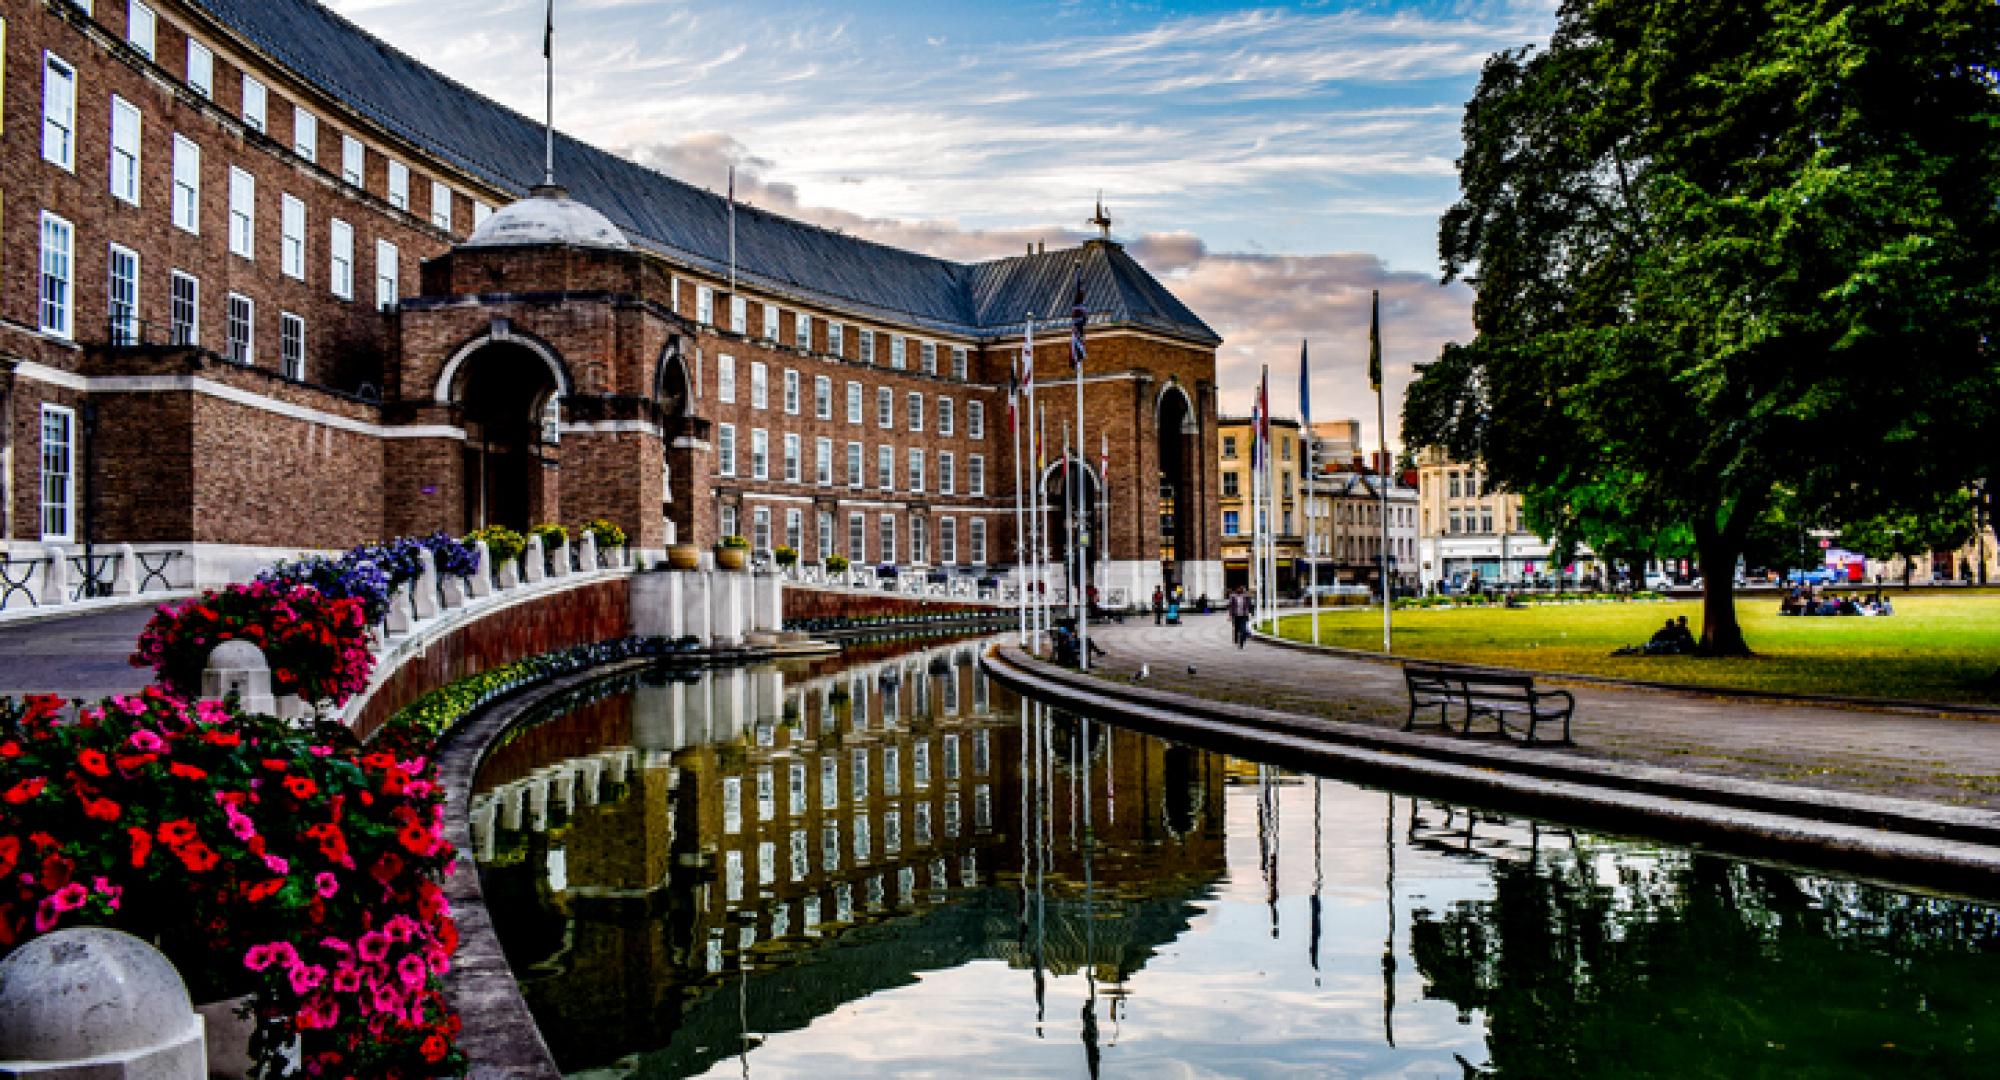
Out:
{"x": 434, "y": 1048}
{"x": 132, "y": 763}
{"x": 102, "y": 809}
{"x": 25, "y": 790}
{"x": 178, "y": 832}
{"x": 276, "y": 764}
{"x": 56, "y": 871}
{"x": 301, "y": 787}
{"x": 10, "y": 853}
{"x": 10, "y": 749}
{"x": 186, "y": 771}
{"x": 221, "y": 738}
{"x": 93, "y": 762}
{"x": 386, "y": 867}
{"x": 415, "y": 838}
{"x": 262, "y": 889}
{"x": 197, "y": 857}
{"x": 142, "y": 844}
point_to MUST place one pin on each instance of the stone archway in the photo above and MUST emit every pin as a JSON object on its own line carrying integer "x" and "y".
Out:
{"x": 1178, "y": 429}
{"x": 507, "y": 395}
{"x": 1059, "y": 498}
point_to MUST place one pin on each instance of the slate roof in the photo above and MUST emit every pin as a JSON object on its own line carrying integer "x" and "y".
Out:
{"x": 683, "y": 222}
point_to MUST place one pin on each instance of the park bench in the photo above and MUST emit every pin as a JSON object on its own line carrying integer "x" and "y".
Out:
{"x": 1491, "y": 694}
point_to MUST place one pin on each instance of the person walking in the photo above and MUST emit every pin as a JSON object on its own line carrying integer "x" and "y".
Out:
{"x": 1240, "y": 609}
{"x": 1159, "y": 604}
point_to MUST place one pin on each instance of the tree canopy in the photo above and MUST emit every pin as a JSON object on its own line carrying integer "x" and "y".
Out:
{"x": 1724, "y": 249}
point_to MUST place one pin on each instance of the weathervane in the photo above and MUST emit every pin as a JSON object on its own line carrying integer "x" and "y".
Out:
{"x": 1102, "y": 220}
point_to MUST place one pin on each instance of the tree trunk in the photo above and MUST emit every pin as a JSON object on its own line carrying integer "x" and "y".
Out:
{"x": 1721, "y": 634}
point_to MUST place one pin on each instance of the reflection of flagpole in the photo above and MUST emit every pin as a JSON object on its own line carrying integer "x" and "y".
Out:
{"x": 1041, "y": 858}
{"x": 1319, "y": 880}
{"x": 1091, "y": 1054}
{"x": 1021, "y": 551}
{"x": 1389, "y": 944}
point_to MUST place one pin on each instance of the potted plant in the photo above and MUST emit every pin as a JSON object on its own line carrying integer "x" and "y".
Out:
{"x": 836, "y": 564}
{"x": 733, "y": 553}
{"x": 503, "y": 545}
{"x": 553, "y": 536}
{"x": 786, "y": 556}
{"x": 608, "y": 535}
{"x": 683, "y": 557}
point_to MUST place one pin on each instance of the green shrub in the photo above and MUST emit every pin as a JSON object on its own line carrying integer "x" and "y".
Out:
{"x": 836, "y": 564}
{"x": 606, "y": 532}
{"x": 553, "y": 535}
{"x": 734, "y": 541}
{"x": 503, "y": 543}
{"x": 786, "y": 556}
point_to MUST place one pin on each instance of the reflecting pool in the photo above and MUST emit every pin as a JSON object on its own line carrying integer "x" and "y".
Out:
{"x": 882, "y": 865}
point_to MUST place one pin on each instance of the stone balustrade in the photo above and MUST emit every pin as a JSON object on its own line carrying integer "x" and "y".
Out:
{"x": 41, "y": 579}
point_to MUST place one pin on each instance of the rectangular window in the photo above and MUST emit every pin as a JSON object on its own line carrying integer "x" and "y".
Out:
{"x": 928, "y": 354}
{"x": 836, "y": 342}
{"x": 58, "y": 112}
{"x": 340, "y": 244}
{"x": 1232, "y": 523}
{"x": 292, "y": 236}
{"x": 184, "y": 310}
{"x": 772, "y": 324}
{"x": 822, "y": 397}
{"x": 888, "y": 537}
{"x": 975, "y": 420}
{"x": 255, "y": 101}
{"x": 978, "y": 541}
{"x": 725, "y": 449}
{"x": 1228, "y": 447}
{"x": 947, "y": 473}
{"x": 58, "y": 270}
{"x": 125, "y": 126}
{"x": 305, "y": 134}
{"x": 739, "y": 315}
{"x": 867, "y": 346}
{"x": 915, "y": 406}
{"x": 824, "y": 527}
{"x": 958, "y": 362}
{"x": 187, "y": 184}
{"x": 898, "y": 346}
{"x": 917, "y": 540}
{"x": 481, "y": 211}
{"x": 975, "y": 476}
{"x": 885, "y": 467}
{"x": 792, "y": 464}
{"x": 795, "y": 528}
{"x": 791, "y": 392}
{"x": 760, "y": 529}
{"x": 823, "y": 462}
{"x": 853, "y": 402}
{"x": 58, "y": 473}
{"x": 916, "y": 470}
{"x": 725, "y": 379}
{"x": 945, "y": 418}
{"x": 728, "y": 521}
{"x": 241, "y": 344}
{"x": 854, "y": 465}
{"x": 140, "y": 27}
{"x": 704, "y": 305}
{"x": 760, "y": 386}
{"x": 802, "y": 332}
{"x": 399, "y": 185}
{"x": 242, "y": 213}
{"x": 292, "y": 345}
{"x": 201, "y": 69}
{"x": 441, "y": 205}
{"x": 947, "y": 541}
{"x": 123, "y": 293}
{"x": 387, "y": 286}
{"x": 885, "y": 408}
{"x": 352, "y": 160}
{"x": 1230, "y": 488}
{"x": 857, "y": 538}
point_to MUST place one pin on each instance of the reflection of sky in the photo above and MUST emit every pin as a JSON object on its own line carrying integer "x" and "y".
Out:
{"x": 1225, "y": 999}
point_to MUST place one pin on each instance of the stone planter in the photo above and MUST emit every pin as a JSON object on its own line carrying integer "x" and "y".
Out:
{"x": 731, "y": 558}
{"x": 683, "y": 557}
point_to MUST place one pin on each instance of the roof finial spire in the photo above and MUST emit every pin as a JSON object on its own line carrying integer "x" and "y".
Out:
{"x": 549, "y": 77}
{"x": 1102, "y": 220}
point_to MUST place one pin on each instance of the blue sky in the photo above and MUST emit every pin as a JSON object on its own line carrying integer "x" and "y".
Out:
{"x": 1272, "y": 163}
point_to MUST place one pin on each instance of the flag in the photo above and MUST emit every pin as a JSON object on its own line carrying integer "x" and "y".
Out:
{"x": 1375, "y": 344}
{"x": 1021, "y": 376}
{"x": 1264, "y": 417}
{"x": 1103, "y": 459}
{"x": 1256, "y": 432}
{"x": 1305, "y": 392}
{"x": 549, "y": 33}
{"x": 1028, "y": 359}
{"x": 1078, "y": 315}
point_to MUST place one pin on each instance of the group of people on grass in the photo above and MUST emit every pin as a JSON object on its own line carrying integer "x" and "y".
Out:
{"x": 1803, "y": 600}
{"x": 1673, "y": 639}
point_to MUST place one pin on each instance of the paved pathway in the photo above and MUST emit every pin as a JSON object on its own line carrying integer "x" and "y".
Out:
{"x": 1946, "y": 759}
{"x": 84, "y": 656}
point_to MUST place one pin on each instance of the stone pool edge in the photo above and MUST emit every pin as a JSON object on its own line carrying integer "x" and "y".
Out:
{"x": 499, "y": 1036}
{"x": 1900, "y": 841}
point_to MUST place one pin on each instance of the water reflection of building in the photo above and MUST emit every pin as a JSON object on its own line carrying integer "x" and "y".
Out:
{"x": 758, "y": 846}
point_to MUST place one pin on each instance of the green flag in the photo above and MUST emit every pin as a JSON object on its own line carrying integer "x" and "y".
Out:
{"x": 1375, "y": 344}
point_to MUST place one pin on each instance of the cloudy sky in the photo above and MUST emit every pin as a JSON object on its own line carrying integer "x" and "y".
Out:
{"x": 1272, "y": 164}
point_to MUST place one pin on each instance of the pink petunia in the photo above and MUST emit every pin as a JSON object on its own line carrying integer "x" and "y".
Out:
{"x": 146, "y": 741}
{"x": 277, "y": 865}
{"x": 325, "y": 884}
{"x": 373, "y": 946}
{"x": 70, "y": 897}
{"x": 346, "y": 978}
{"x": 305, "y": 978}
{"x": 412, "y": 971}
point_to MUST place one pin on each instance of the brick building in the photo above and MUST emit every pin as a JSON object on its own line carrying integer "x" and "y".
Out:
{"x": 271, "y": 285}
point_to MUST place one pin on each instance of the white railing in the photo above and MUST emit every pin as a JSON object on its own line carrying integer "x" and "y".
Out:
{"x": 43, "y": 578}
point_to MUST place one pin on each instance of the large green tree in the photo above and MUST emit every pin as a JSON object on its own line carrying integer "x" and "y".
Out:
{"x": 1725, "y": 249}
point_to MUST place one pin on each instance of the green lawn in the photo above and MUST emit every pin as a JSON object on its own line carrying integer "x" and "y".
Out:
{"x": 1935, "y": 648}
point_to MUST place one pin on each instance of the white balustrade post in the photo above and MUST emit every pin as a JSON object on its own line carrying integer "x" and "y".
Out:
{"x": 559, "y": 560}
{"x": 481, "y": 582}
{"x": 399, "y": 621}
{"x": 426, "y": 585}
{"x": 239, "y": 667}
{"x": 55, "y": 577}
{"x": 586, "y": 553}
{"x": 91, "y": 1001}
{"x": 125, "y": 580}
{"x": 534, "y": 561}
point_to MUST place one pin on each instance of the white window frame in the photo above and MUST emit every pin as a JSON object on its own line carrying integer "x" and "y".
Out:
{"x": 353, "y": 160}
{"x": 885, "y": 467}
{"x": 867, "y": 346}
{"x": 947, "y": 416}
{"x": 121, "y": 295}
{"x": 292, "y": 345}
{"x": 174, "y": 324}
{"x": 916, "y": 467}
{"x": 441, "y": 205}
{"x": 823, "y": 529}
{"x": 725, "y": 379}
{"x": 836, "y": 339}
{"x": 760, "y": 385}
{"x": 854, "y": 406}
{"x": 795, "y": 528}
{"x": 822, "y": 397}
{"x": 239, "y": 314}
{"x": 725, "y": 449}
{"x": 899, "y": 352}
{"x": 59, "y": 88}
{"x": 794, "y": 451}
{"x": 947, "y": 541}
{"x": 918, "y": 540}
{"x": 704, "y": 305}
{"x": 187, "y": 184}
{"x": 856, "y": 466}
{"x": 958, "y": 362}
{"x": 885, "y": 539}
{"x": 305, "y": 134}
{"x": 976, "y": 532}
{"x": 791, "y": 392}
{"x": 201, "y": 68}
{"x": 927, "y": 357}
{"x": 481, "y": 211}
{"x": 947, "y": 473}
{"x": 739, "y": 315}
{"x": 975, "y": 420}
{"x": 760, "y": 454}
{"x": 340, "y": 258}
{"x": 58, "y": 474}
{"x": 857, "y": 538}
{"x": 975, "y": 476}
{"x": 727, "y": 520}
{"x": 292, "y": 236}
{"x": 399, "y": 185}
{"x": 388, "y": 275}
{"x": 913, "y": 404}
{"x": 56, "y": 277}
{"x": 760, "y": 529}
{"x": 823, "y": 461}
{"x": 773, "y": 323}
{"x": 242, "y": 213}
{"x": 885, "y": 408}
{"x": 256, "y": 103}
{"x": 127, "y": 146}
{"x": 802, "y": 331}
{"x": 141, "y": 27}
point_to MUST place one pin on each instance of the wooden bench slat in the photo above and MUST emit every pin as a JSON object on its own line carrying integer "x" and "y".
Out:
{"x": 1485, "y": 693}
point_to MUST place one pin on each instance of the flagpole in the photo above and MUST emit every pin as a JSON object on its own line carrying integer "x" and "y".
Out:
{"x": 1311, "y": 506}
{"x": 1382, "y": 442}
{"x": 1257, "y": 505}
{"x": 1078, "y": 315}
{"x": 1104, "y": 512}
{"x": 732, "y": 234}
{"x": 1042, "y": 600}
{"x": 1020, "y": 535}
{"x": 549, "y": 64}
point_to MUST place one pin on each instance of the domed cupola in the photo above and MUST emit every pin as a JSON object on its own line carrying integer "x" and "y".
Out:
{"x": 548, "y": 216}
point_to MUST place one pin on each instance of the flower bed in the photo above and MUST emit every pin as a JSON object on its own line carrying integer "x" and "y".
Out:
{"x": 317, "y": 644}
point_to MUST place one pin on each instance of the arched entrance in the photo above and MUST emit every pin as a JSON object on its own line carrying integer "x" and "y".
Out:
{"x": 508, "y": 396}
{"x": 1061, "y": 511}
{"x": 1179, "y": 435}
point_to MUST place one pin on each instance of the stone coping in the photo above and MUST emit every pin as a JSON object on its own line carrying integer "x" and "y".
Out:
{"x": 1887, "y": 705}
{"x": 1947, "y": 848}
{"x": 93, "y": 606}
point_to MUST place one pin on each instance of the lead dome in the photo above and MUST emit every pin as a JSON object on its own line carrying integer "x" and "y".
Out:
{"x": 548, "y": 216}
